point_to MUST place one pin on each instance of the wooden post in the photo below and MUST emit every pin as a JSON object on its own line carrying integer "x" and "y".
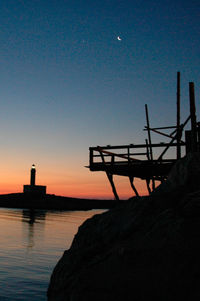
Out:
{"x": 153, "y": 184}
{"x": 91, "y": 156}
{"x": 178, "y": 150}
{"x": 149, "y": 133}
{"x": 148, "y": 187}
{"x": 148, "y": 157}
{"x": 131, "y": 178}
{"x": 193, "y": 118}
{"x": 198, "y": 137}
{"x": 147, "y": 147}
{"x": 150, "y": 147}
{"x": 128, "y": 153}
{"x": 110, "y": 178}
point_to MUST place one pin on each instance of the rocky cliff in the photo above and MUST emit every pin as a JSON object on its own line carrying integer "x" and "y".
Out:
{"x": 146, "y": 248}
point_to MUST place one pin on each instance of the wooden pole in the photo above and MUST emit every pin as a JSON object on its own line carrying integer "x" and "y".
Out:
{"x": 193, "y": 118}
{"x": 178, "y": 150}
{"x": 150, "y": 147}
{"x": 91, "y": 156}
{"x": 110, "y": 177}
{"x": 148, "y": 187}
{"x": 149, "y": 132}
{"x": 147, "y": 149}
{"x": 131, "y": 179}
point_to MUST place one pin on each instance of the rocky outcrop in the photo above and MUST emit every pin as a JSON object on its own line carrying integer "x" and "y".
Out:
{"x": 184, "y": 177}
{"x": 146, "y": 248}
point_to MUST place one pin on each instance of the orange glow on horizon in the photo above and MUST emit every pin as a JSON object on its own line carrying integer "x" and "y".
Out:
{"x": 72, "y": 182}
{"x": 97, "y": 187}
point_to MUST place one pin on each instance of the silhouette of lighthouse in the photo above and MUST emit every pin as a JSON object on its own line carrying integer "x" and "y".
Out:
{"x": 33, "y": 172}
{"x": 32, "y": 189}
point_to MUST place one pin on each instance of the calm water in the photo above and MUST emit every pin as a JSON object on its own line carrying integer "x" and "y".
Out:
{"x": 31, "y": 245}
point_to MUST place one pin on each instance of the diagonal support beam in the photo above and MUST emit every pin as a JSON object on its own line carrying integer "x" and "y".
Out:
{"x": 110, "y": 178}
{"x": 131, "y": 178}
{"x": 148, "y": 185}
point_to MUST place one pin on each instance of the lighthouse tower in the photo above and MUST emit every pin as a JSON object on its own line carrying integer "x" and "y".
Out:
{"x": 32, "y": 189}
{"x": 33, "y": 172}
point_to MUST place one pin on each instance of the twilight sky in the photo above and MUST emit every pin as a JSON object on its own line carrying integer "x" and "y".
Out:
{"x": 67, "y": 84}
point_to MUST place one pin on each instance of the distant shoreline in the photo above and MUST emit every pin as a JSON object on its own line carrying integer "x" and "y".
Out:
{"x": 53, "y": 202}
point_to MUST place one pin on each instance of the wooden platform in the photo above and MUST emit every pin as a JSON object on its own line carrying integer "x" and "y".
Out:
{"x": 140, "y": 169}
{"x": 125, "y": 164}
{"x": 132, "y": 161}
{"x": 149, "y": 161}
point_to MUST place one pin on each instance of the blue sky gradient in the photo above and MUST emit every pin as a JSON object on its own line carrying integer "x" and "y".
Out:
{"x": 67, "y": 83}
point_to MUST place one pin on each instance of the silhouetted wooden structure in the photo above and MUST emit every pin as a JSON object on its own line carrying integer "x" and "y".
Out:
{"x": 140, "y": 161}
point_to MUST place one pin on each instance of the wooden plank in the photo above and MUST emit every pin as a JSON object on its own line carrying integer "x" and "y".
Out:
{"x": 130, "y": 154}
{"x": 117, "y": 155}
{"x": 141, "y": 169}
{"x": 95, "y": 148}
{"x": 163, "y": 128}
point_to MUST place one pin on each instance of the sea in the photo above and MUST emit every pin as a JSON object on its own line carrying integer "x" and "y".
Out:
{"x": 31, "y": 243}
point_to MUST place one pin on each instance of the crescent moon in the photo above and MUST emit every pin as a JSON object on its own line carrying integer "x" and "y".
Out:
{"x": 119, "y": 39}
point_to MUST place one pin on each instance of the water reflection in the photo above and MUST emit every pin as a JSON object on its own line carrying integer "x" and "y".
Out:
{"x": 32, "y": 242}
{"x": 30, "y": 217}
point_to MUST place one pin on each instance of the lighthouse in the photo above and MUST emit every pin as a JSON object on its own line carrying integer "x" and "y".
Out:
{"x": 33, "y": 172}
{"x": 33, "y": 189}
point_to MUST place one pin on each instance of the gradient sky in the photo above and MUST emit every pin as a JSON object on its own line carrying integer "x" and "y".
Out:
{"x": 67, "y": 84}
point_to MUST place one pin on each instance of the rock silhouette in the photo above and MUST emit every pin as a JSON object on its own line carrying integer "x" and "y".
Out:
{"x": 52, "y": 202}
{"x": 146, "y": 248}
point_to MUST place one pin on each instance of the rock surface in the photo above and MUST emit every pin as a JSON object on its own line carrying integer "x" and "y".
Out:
{"x": 145, "y": 249}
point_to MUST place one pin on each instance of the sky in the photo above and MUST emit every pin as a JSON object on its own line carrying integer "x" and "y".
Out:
{"x": 67, "y": 83}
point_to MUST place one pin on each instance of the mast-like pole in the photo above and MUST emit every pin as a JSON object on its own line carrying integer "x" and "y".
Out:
{"x": 178, "y": 149}
{"x": 193, "y": 118}
{"x": 149, "y": 132}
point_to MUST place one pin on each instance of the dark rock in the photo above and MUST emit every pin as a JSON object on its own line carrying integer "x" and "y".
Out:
{"x": 146, "y": 248}
{"x": 52, "y": 202}
{"x": 183, "y": 178}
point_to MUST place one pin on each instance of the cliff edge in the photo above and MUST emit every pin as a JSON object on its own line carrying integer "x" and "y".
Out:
{"x": 146, "y": 248}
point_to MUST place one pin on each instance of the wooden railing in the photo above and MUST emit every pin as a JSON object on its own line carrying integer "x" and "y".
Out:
{"x": 114, "y": 154}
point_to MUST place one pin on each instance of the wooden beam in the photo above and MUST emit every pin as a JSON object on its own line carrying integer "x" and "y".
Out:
{"x": 178, "y": 149}
{"x": 153, "y": 184}
{"x": 149, "y": 133}
{"x": 148, "y": 157}
{"x": 193, "y": 118}
{"x": 91, "y": 156}
{"x": 160, "y": 133}
{"x": 110, "y": 178}
{"x": 167, "y": 147}
{"x": 148, "y": 185}
{"x": 131, "y": 179}
{"x": 162, "y": 128}
{"x": 101, "y": 150}
{"x": 96, "y": 148}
